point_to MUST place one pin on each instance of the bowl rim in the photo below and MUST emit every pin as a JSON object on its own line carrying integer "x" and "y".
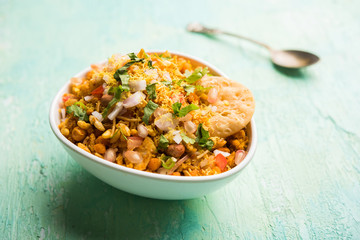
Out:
{"x": 53, "y": 114}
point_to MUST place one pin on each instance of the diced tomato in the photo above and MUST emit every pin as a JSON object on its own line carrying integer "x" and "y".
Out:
{"x": 98, "y": 91}
{"x": 220, "y": 161}
{"x": 67, "y": 96}
{"x": 178, "y": 98}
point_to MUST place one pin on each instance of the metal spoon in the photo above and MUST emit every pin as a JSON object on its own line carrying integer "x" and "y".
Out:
{"x": 283, "y": 58}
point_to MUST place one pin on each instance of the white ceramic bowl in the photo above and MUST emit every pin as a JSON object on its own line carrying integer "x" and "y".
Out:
{"x": 147, "y": 184}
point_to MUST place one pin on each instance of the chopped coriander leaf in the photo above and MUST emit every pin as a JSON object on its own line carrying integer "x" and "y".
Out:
{"x": 133, "y": 57}
{"x": 176, "y": 108}
{"x": 201, "y": 88}
{"x": 151, "y": 90}
{"x": 168, "y": 162}
{"x": 122, "y": 73}
{"x": 196, "y": 75}
{"x": 187, "y": 109}
{"x": 187, "y": 139}
{"x": 179, "y": 82}
{"x": 162, "y": 56}
{"x": 189, "y": 89}
{"x": 209, "y": 144}
{"x": 148, "y": 111}
{"x": 117, "y": 94}
{"x": 110, "y": 104}
{"x": 167, "y": 83}
{"x": 150, "y": 64}
{"x": 117, "y": 91}
{"x": 183, "y": 111}
{"x": 123, "y": 134}
{"x": 163, "y": 142}
{"x": 187, "y": 73}
{"x": 116, "y": 132}
{"x": 202, "y": 138}
{"x": 79, "y": 110}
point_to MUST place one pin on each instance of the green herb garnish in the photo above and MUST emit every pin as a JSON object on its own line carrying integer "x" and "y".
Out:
{"x": 167, "y": 162}
{"x": 167, "y": 83}
{"x": 151, "y": 90}
{"x": 196, "y": 75}
{"x": 79, "y": 110}
{"x": 133, "y": 57}
{"x": 163, "y": 142}
{"x": 117, "y": 94}
{"x": 187, "y": 139}
{"x": 122, "y": 73}
{"x": 123, "y": 134}
{"x": 150, "y": 64}
{"x": 161, "y": 55}
{"x": 200, "y": 88}
{"x": 176, "y": 108}
{"x": 148, "y": 111}
{"x": 183, "y": 111}
{"x": 187, "y": 109}
{"x": 203, "y": 138}
{"x": 117, "y": 130}
{"x": 189, "y": 89}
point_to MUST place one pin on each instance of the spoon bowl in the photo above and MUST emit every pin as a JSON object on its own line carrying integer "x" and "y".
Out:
{"x": 293, "y": 58}
{"x": 284, "y": 58}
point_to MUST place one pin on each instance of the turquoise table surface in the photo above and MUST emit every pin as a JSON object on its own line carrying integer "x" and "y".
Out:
{"x": 304, "y": 181}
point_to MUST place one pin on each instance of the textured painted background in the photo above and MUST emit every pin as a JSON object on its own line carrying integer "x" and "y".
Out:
{"x": 304, "y": 182}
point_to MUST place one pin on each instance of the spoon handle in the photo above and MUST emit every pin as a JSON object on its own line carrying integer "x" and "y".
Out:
{"x": 198, "y": 28}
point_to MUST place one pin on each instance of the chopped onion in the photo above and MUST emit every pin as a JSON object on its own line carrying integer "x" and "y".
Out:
{"x": 75, "y": 81}
{"x": 239, "y": 156}
{"x": 166, "y": 122}
{"x": 133, "y": 157}
{"x": 134, "y": 142}
{"x": 110, "y": 66}
{"x": 176, "y": 132}
{"x": 142, "y": 131}
{"x": 213, "y": 108}
{"x": 212, "y": 95}
{"x": 163, "y": 171}
{"x": 63, "y": 114}
{"x": 187, "y": 117}
{"x": 204, "y": 162}
{"x": 166, "y": 75}
{"x": 159, "y": 111}
{"x": 190, "y": 127}
{"x": 123, "y": 111}
{"x": 106, "y": 78}
{"x": 88, "y": 98}
{"x": 177, "y": 138}
{"x": 134, "y": 100}
{"x": 97, "y": 115}
{"x": 137, "y": 85}
{"x": 119, "y": 56}
{"x": 119, "y": 106}
{"x": 106, "y": 90}
{"x": 110, "y": 154}
{"x": 225, "y": 154}
{"x": 152, "y": 73}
